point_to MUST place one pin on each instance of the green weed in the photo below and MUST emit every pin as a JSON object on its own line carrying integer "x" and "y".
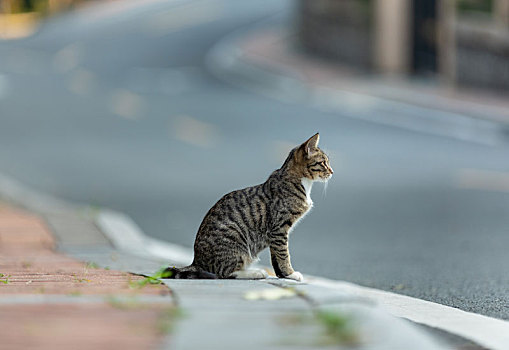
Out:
{"x": 339, "y": 328}
{"x": 154, "y": 279}
{"x": 91, "y": 265}
{"x": 321, "y": 328}
{"x": 6, "y": 280}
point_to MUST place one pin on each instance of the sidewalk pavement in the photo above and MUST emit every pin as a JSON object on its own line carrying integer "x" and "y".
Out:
{"x": 275, "y": 51}
{"x": 51, "y": 300}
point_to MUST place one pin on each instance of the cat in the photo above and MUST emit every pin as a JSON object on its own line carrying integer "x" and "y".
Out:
{"x": 245, "y": 222}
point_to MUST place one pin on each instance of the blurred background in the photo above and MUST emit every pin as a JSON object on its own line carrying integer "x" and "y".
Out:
{"x": 461, "y": 42}
{"x": 158, "y": 108}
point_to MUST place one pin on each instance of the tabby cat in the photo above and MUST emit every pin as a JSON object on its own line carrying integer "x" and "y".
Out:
{"x": 244, "y": 222}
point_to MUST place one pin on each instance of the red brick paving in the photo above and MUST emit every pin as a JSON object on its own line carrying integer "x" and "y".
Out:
{"x": 31, "y": 265}
{"x": 79, "y": 326}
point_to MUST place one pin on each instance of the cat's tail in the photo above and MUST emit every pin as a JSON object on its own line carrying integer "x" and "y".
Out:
{"x": 188, "y": 272}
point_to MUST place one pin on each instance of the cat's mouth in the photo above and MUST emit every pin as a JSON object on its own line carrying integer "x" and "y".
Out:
{"x": 325, "y": 179}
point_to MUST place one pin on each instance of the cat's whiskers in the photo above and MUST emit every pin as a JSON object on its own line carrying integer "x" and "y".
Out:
{"x": 325, "y": 184}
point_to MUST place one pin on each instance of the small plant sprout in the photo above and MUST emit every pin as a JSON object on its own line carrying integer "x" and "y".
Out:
{"x": 338, "y": 327}
{"x": 6, "y": 280}
{"x": 91, "y": 265}
{"x": 154, "y": 279}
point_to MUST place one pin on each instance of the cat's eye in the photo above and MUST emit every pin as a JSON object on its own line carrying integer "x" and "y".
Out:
{"x": 323, "y": 163}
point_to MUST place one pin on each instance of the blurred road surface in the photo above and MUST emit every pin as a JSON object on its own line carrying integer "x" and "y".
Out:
{"x": 114, "y": 106}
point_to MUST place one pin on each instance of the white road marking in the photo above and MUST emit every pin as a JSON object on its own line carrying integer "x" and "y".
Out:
{"x": 478, "y": 179}
{"x": 194, "y": 132}
{"x": 126, "y": 104}
{"x": 67, "y": 58}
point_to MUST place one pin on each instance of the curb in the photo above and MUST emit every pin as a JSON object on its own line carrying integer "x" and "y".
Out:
{"x": 125, "y": 235}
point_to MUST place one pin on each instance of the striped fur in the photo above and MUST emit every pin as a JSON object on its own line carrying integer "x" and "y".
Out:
{"x": 244, "y": 222}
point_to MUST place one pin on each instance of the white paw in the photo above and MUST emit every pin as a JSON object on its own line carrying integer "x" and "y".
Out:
{"x": 259, "y": 274}
{"x": 297, "y": 276}
{"x": 255, "y": 274}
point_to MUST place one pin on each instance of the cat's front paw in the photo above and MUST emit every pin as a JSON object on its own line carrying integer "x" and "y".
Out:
{"x": 297, "y": 276}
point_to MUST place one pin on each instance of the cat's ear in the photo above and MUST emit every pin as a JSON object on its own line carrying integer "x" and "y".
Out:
{"x": 311, "y": 145}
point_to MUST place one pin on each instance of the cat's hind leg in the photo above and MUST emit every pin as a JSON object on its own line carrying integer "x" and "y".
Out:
{"x": 250, "y": 274}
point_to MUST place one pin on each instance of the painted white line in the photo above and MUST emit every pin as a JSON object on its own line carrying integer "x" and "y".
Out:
{"x": 127, "y": 104}
{"x": 194, "y": 132}
{"x": 68, "y": 58}
{"x": 486, "y": 331}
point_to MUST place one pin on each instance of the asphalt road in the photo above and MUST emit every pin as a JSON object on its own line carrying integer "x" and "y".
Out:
{"x": 114, "y": 106}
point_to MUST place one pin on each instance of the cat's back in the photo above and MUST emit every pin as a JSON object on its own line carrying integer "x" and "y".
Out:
{"x": 243, "y": 209}
{"x": 239, "y": 200}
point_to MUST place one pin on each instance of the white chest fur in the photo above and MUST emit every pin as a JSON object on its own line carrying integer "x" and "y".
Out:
{"x": 307, "y": 183}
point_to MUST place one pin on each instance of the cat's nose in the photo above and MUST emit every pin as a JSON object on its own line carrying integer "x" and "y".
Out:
{"x": 331, "y": 171}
